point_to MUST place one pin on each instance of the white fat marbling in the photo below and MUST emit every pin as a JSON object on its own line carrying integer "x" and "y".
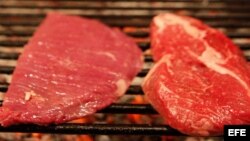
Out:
{"x": 28, "y": 95}
{"x": 170, "y": 19}
{"x": 121, "y": 87}
{"x": 164, "y": 59}
{"x": 210, "y": 57}
{"x": 213, "y": 60}
{"x": 108, "y": 54}
{"x": 164, "y": 89}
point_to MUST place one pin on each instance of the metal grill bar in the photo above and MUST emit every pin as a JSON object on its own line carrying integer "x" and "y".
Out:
{"x": 131, "y": 90}
{"x": 132, "y": 21}
{"x": 120, "y": 5}
{"x": 214, "y": 1}
{"x": 37, "y": 18}
{"x": 95, "y": 129}
{"x": 6, "y": 69}
{"x": 10, "y": 69}
{"x": 143, "y": 45}
{"x": 126, "y": 109}
{"x": 136, "y": 34}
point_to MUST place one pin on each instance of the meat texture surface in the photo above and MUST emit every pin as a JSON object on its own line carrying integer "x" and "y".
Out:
{"x": 201, "y": 80}
{"x": 70, "y": 68}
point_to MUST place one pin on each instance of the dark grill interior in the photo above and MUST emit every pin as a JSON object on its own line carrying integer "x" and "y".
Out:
{"x": 19, "y": 19}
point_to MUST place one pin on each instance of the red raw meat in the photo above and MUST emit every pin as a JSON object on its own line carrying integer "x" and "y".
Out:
{"x": 70, "y": 68}
{"x": 201, "y": 80}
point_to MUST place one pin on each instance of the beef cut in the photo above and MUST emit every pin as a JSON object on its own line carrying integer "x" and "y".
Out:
{"x": 70, "y": 68}
{"x": 200, "y": 81}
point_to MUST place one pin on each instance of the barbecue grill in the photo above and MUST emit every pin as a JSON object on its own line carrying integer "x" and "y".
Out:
{"x": 19, "y": 19}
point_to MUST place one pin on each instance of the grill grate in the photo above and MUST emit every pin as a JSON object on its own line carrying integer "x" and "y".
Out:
{"x": 19, "y": 19}
{"x": 124, "y": 129}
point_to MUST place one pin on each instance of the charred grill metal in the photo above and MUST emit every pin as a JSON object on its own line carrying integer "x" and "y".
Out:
{"x": 123, "y": 129}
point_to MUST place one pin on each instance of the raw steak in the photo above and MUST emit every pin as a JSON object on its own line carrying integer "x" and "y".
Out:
{"x": 201, "y": 80}
{"x": 70, "y": 68}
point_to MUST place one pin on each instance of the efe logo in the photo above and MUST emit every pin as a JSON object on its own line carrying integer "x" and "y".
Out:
{"x": 237, "y": 132}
